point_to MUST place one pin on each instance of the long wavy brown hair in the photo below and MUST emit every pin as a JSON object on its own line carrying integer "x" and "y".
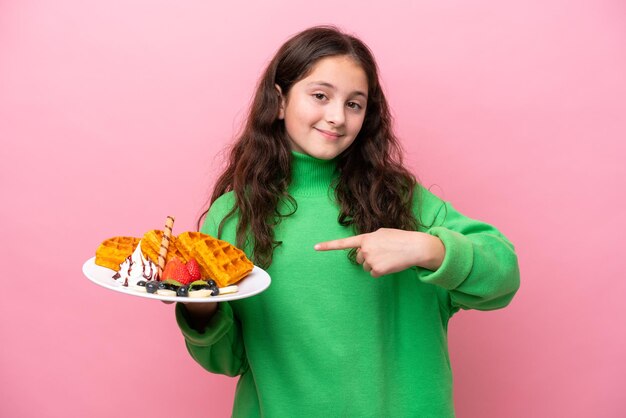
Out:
{"x": 373, "y": 188}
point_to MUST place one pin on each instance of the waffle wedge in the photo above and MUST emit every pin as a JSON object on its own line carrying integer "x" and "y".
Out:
{"x": 218, "y": 259}
{"x": 186, "y": 241}
{"x": 151, "y": 244}
{"x": 113, "y": 251}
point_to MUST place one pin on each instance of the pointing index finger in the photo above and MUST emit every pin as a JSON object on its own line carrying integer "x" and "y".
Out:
{"x": 340, "y": 244}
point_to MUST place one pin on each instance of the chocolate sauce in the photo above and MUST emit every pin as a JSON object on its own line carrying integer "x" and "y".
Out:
{"x": 130, "y": 268}
{"x": 143, "y": 267}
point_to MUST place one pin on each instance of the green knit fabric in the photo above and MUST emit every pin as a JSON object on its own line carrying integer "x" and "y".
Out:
{"x": 328, "y": 340}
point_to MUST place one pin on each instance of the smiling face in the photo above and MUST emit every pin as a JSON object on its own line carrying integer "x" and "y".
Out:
{"x": 324, "y": 111}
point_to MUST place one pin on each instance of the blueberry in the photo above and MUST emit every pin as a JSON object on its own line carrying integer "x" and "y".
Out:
{"x": 162, "y": 285}
{"x": 183, "y": 291}
{"x": 141, "y": 283}
{"x": 151, "y": 287}
{"x": 214, "y": 291}
{"x": 211, "y": 283}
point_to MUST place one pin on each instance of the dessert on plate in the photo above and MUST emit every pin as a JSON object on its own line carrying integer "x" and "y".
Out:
{"x": 191, "y": 264}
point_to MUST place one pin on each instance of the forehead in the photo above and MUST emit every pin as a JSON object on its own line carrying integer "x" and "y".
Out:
{"x": 342, "y": 73}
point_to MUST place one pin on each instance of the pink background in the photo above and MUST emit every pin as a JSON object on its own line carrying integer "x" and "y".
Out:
{"x": 112, "y": 115}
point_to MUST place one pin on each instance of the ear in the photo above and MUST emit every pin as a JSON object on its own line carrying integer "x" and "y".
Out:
{"x": 281, "y": 111}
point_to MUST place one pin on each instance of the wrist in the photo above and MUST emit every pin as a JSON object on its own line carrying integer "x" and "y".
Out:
{"x": 432, "y": 253}
{"x": 199, "y": 314}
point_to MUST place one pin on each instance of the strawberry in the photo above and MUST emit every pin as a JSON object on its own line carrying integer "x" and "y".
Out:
{"x": 167, "y": 271}
{"x": 194, "y": 269}
{"x": 176, "y": 270}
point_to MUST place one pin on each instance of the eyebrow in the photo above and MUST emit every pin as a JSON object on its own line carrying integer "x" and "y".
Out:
{"x": 326, "y": 84}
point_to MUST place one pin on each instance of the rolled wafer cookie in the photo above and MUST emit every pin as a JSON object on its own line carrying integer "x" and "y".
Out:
{"x": 165, "y": 242}
{"x": 151, "y": 246}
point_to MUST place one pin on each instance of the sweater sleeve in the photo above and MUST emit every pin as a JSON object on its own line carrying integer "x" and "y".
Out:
{"x": 219, "y": 346}
{"x": 480, "y": 268}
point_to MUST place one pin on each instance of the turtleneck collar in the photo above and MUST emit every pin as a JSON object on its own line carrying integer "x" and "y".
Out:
{"x": 310, "y": 176}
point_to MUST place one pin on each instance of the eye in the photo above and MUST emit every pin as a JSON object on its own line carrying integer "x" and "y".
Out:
{"x": 319, "y": 96}
{"x": 354, "y": 105}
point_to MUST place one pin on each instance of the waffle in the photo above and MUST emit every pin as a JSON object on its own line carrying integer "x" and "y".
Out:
{"x": 186, "y": 241}
{"x": 218, "y": 259}
{"x": 113, "y": 251}
{"x": 151, "y": 244}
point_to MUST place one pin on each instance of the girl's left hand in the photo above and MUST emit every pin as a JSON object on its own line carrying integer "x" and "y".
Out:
{"x": 387, "y": 251}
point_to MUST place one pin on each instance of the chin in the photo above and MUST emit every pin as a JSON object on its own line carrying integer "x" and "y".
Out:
{"x": 324, "y": 153}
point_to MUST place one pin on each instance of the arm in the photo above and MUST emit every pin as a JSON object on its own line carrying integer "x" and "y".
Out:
{"x": 217, "y": 347}
{"x": 472, "y": 260}
{"x": 480, "y": 268}
{"x": 212, "y": 332}
{"x": 199, "y": 314}
{"x": 387, "y": 250}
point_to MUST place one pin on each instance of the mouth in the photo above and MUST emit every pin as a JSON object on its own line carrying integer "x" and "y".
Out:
{"x": 329, "y": 134}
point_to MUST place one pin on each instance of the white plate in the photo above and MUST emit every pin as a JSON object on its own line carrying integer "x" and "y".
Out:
{"x": 254, "y": 283}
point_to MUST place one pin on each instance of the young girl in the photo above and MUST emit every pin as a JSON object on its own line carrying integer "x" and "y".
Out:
{"x": 356, "y": 333}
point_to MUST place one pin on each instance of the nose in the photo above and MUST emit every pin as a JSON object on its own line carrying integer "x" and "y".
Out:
{"x": 335, "y": 114}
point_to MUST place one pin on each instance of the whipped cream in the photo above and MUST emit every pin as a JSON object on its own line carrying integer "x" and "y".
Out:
{"x": 136, "y": 267}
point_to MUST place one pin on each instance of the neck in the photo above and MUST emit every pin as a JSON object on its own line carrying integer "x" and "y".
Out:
{"x": 311, "y": 176}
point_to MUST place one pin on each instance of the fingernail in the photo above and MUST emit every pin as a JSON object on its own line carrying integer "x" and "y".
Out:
{"x": 316, "y": 247}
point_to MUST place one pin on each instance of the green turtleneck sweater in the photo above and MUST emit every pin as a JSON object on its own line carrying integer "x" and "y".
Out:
{"x": 328, "y": 340}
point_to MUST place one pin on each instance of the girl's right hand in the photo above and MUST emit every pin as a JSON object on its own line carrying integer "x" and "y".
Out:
{"x": 201, "y": 309}
{"x": 389, "y": 250}
{"x": 200, "y": 314}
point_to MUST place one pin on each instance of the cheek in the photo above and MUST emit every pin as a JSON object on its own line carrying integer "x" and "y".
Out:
{"x": 356, "y": 123}
{"x": 293, "y": 122}
{"x": 303, "y": 115}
